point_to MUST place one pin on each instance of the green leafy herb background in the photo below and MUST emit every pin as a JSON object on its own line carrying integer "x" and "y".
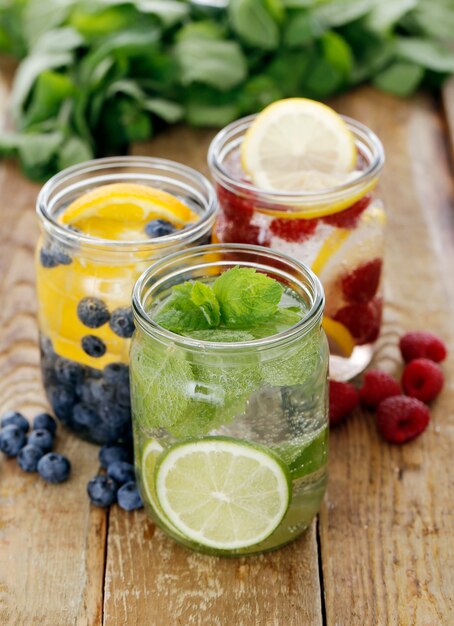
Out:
{"x": 96, "y": 75}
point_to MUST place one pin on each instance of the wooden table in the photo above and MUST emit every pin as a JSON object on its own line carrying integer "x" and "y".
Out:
{"x": 381, "y": 551}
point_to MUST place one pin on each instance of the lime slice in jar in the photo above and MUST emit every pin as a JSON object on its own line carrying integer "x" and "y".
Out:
{"x": 223, "y": 493}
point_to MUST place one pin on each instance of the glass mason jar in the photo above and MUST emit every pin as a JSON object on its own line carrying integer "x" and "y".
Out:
{"x": 85, "y": 369}
{"x": 338, "y": 232}
{"x": 267, "y": 394}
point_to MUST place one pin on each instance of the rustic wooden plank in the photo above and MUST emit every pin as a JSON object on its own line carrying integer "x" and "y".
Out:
{"x": 447, "y": 95}
{"x": 151, "y": 580}
{"x": 52, "y": 544}
{"x": 386, "y": 528}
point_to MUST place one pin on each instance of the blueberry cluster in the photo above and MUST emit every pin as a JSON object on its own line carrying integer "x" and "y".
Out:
{"x": 33, "y": 452}
{"x": 53, "y": 254}
{"x": 118, "y": 485}
{"x": 94, "y": 403}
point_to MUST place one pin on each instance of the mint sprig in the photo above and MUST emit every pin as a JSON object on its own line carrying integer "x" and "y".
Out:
{"x": 240, "y": 299}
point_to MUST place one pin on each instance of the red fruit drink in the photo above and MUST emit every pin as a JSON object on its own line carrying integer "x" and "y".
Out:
{"x": 338, "y": 231}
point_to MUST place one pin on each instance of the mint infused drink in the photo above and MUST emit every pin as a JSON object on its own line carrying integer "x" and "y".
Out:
{"x": 228, "y": 382}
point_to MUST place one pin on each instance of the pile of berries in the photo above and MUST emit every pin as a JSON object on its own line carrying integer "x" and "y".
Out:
{"x": 34, "y": 451}
{"x": 399, "y": 417}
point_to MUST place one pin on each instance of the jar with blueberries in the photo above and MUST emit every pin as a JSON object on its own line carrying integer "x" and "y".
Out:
{"x": 102, "y": 223}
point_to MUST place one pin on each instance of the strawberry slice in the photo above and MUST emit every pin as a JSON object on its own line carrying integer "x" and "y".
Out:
{"x": 361, "y": 284}
{"x": 348, "y": 218}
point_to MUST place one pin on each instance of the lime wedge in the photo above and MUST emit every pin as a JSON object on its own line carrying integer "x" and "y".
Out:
{"x": 223, "y": 493}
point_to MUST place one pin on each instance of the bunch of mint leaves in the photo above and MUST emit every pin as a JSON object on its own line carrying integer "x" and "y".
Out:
{"x": 241, "y": 299}
{"x": 97, "y": 75}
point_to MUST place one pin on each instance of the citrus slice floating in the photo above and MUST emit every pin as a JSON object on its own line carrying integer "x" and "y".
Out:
{"x": 126, "y": 203}
{"x": 223, "y": 493}
{"x": 292, "y": 141}
{"x": 339, "y": 337}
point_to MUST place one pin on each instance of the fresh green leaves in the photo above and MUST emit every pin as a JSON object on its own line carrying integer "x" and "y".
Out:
{"x": 241, "y": 301}
{"x": 104, "y": 73}
{"x": 246, "y": 297}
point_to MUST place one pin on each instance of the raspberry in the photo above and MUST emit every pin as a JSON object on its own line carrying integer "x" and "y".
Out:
{"x": 377, "y": 386}
{"x": 234, "y": 221}
{"x": 293, "y": 229}
{"x": 422, "y": 379}
{"x": 343, "y": 398}
{"x": 233, "y": 206}
{"x": 362, "y": 320}
{"x": 348, "y": 218}
{"x": 400, "y": 419}
{"x": 424, "y": 345}
{"x": 361, "y": 284}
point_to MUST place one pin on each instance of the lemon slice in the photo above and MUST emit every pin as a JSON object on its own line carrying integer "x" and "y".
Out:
{"x": 223, "y": 493}
{"x": 126, "y": 203}
{"x": 339, "y": 337}
{"x": 292, "y": 138}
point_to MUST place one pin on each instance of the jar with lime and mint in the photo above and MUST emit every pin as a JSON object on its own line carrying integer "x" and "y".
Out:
{"x": 229, "y": 369}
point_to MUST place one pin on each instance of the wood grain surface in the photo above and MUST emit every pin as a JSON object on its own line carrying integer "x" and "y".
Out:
{"x": 381, "y": 552}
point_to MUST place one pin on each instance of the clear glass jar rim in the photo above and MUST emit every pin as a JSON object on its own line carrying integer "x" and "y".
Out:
{"x": 313, "y": 316}
{"x": 360, "y": 130}
{"x": 98, "y": 165}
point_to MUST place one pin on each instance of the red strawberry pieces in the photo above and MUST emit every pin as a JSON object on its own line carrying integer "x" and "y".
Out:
{"x": 361, "y": 284}
{"x": 297, "y": 229}
{"x": 343, "y": 398}
{"x": 422, "y": 379}
{"x": 400, "y": 419}
{"x": 377, "y": 386}
{"x": 424, "y": 345}
{"x": 349, "y": 217}
{"x": 362, "y": 320}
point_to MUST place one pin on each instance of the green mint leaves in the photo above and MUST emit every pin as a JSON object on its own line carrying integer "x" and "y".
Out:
{"x": 240, "y": 298}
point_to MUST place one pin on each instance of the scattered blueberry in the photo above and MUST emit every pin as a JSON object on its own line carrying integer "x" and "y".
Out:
{"x": 121, "y": 322}
{"x": 68, "y": 372}
{"x": 110, "y": 454}
{"x": 62, "y": 399}
{"x": 92, "y": 312}
{"x": 54, "y": 468}
{"x": 121, "y": 472}
{"x": 93, "y": 346}
{"x": 14, "y": 418}
{"x": 12, "y": 439}
{"x": 85, "y": 414}
{"x": 159, "y": 228}
{"x": 116, "y": 373}
{"x": 28, "y": 457}
{"x": 102, "y": 491}
{"x": 46, "y": 421}
{"x": 128, "y": 497}
{"x": 52, "y": 255}
{"x": 41, "y": 439}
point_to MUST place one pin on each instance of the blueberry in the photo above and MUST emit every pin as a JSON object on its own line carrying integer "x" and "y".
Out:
{"x": 121, "y": 472}
{"x": 129, "y": 497}
{"x": 102, "y": 491}
{"x": 12, "y": 439}
{"x": 52, "y": 254}
{"x": 54, "y": 468}
{"x": 68, "y": 372}
{"x": 111, "y": 454}
{"x": 92, "y": 312}
{"x": 14, "y": 418}
{"x": 62, "y": 399}
{"x": 28, "y": 457}
{"x": 123, "y": 396}
{"x": 121, "y": 322}
{"x": 41, "y": 439}
{"x": 114, "y": 414}
{"x": 102, "y": 391}
{"x": 46, "y": 421}
{"x": 93, "y": 346}
{"x": 116, "y": 373}
{"x": 159, "y": 228}
{"x": 85, "y": 414}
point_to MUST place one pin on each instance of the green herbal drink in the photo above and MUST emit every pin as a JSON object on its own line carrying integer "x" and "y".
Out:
{"x": 228, "y": 382}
